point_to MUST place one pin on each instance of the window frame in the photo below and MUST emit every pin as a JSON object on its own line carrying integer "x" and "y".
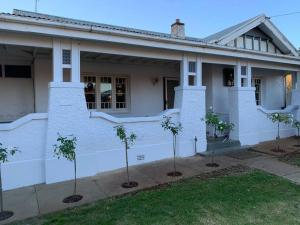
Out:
{"x": 261, "y": 90}
{"x": 113, "y": 109}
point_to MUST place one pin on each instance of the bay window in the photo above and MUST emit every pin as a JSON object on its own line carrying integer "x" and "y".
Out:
{"x": 106, "y": 93}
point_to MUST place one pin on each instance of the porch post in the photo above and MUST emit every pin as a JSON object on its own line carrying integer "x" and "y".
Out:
{"x": 242, "y": 108}
{"x": 190, "y": 99}
{"x": 237, "y": 75}
{"x": 295, "y": 100}
{"x": 67, "y": 112}
{"x": 75, "y": 62}
{"x": 198, "y": 71}
{"x": 57, "y": 61}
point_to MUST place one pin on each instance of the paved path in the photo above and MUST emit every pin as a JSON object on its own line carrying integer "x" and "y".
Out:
{"x": 274, "y": 166}
{"x": 40, "y": 199}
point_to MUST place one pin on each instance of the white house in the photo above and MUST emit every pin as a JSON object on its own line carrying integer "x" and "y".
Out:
{"x": 83, "y": 78}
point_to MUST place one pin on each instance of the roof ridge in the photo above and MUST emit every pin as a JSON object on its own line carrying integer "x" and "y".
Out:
{"x": 60, "y": 19}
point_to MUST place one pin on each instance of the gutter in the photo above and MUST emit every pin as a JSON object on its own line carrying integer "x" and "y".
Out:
{"x": 96, "y": 30}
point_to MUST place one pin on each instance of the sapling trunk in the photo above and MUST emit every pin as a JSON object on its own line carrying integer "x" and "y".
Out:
{"x": 174, "y": 153}
{"x": 126, "y": 153}
{"x": 75, "y": 176}
{"x": 1, "y": 193}
{"x": 278, "y": 136}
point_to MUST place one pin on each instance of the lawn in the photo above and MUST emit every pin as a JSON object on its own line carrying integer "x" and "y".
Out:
{"x": 249, "y": 198}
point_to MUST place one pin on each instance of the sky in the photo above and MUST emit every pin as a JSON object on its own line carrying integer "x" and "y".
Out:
{"x": 201, "y": 17}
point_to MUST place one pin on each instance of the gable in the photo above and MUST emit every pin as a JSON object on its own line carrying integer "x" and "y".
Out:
{"x": 255, "y": 39}
{"x": 264, "y": 34}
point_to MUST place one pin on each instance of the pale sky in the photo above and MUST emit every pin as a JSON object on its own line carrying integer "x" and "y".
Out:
{"x": 202, "y": 17}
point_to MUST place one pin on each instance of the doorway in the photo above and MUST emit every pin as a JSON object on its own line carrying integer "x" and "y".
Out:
{"x": 169, "y": 93}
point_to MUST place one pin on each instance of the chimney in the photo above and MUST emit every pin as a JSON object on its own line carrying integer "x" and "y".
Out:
{"x": 177, "y": 29}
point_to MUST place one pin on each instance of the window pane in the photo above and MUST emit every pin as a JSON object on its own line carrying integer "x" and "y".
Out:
{"x": 121, "y": 93}
{"x": 106, "y": 92}
{"x": 90, "y": 91}
{"x": 271, "y": 47}
{"x": 257, "y": 84}
{"x": 192, "y": 67}
{"x": 240, "y": 42}
{"x": 17, "y": 71}
{"x": 191, "y": 80}
{"x": 244, "y": 70}
{"x": 256, "y": 44}
{"x": 66, "y": 55}
{"x": 0, "y": 70}
{"x": 249, "y": 43}
{"x": 263, "y": 45}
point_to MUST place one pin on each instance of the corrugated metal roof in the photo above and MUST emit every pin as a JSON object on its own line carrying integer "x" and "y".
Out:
{"x": 64, "y": 20}
{"x": 219, "y": 35}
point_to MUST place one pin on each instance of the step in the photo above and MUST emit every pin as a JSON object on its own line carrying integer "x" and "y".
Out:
{"x": 224, "y": 151}
{"x": 220, "y": 145}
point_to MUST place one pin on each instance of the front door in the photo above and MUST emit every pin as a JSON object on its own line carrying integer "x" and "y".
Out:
{"x": 169, "y": 92}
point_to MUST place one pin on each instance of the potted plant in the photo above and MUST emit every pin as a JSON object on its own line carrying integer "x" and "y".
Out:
{"x": 168, "y": 125}
{"x": 296, "y": 124}
{"x": 279, "y": 118}
{"x": 4, "y": 154}
{"x": 128, "y": 141}
{"x": 212, "y": 120}
{"x": 66, "y": 148}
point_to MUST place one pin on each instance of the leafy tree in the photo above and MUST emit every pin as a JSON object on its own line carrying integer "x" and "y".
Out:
{"x": 280, "y": 118}
{"x": 212, "y": 120}
{"x": 128, "y": 141}
{"x": 167, "y": 124}
{"x": 4, "y": 154}
{"x": 66, "y": 148}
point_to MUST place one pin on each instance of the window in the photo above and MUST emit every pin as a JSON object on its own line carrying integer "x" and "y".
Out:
{"x": 120, "y": 92}
{"x": 240, "y": 42}
{"x": 90, "y": 91}
{"x": 191, "y": 80}
{"x": 249, "y": 44}
{"x": 106, "y": 93}
{"x": 66, "y": 57}
{"x": 17, "y": 71}
{"x": 192, "y": 67}
{"x": 228, "y": 77}
{"x": 256, "y": 44}
{"x": 263, "y": 45}
{"x": 256, "y": 82}
{"x": 271, "y": 47}
{"x": 0, "y": 71}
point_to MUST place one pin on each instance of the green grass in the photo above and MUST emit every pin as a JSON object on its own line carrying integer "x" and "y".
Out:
{"x": 249, "y": 198}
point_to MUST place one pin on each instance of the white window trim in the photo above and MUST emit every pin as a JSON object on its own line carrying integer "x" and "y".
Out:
{"x": 112, "y": 110}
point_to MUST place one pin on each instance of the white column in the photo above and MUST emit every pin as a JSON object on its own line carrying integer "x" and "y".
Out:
{"x": 75, "y": 61}
{"x": 57, "y": 61}
{"x": 184, "y": 67}
{"x": 297, "y": 86}
{"x": 237, "y": 75}
{"x": 199, "y": 71}
{"x": 249, "y": 75}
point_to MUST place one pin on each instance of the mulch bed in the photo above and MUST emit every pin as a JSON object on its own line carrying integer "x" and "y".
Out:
{"x": 233, "y": 170}
{"x": 244, "y": 155}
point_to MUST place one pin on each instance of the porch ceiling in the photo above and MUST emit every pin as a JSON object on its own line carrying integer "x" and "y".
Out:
{"x": 121, "y": 59}
{"x": 24, "y": 52}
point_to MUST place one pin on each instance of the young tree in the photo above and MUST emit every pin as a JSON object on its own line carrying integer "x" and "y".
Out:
{"x": 4, "y": 154}
{"x": 296, "y": 124}
{"x": 128, "y": 142}
{"x": 279, "y": 118}
{"x": 221, "y": 127}
{"x": 167, "y": 124}
{"x": 66, "y": 148}
{"x": 212, "y": 120}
